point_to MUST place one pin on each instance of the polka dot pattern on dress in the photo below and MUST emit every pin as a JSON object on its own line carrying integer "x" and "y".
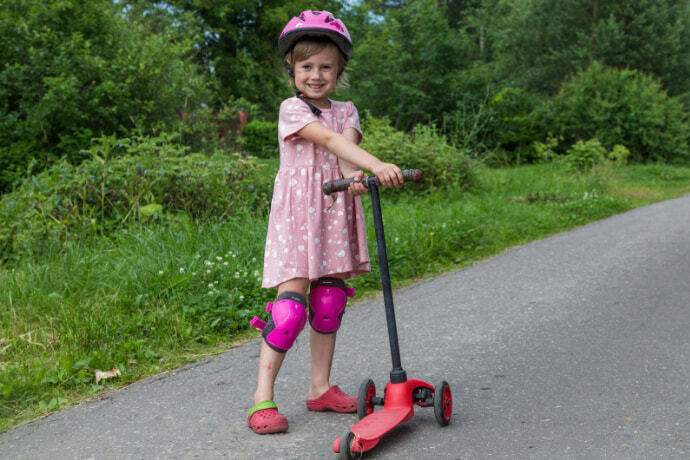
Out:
{"x": 312, "y": 235}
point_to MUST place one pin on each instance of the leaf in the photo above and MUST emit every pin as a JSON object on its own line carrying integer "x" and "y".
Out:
{"x": 151, "y": 209}
{"x": 66, "y": 363}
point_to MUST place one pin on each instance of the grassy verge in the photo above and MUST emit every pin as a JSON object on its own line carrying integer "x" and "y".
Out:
{"x": 154, "y": 297}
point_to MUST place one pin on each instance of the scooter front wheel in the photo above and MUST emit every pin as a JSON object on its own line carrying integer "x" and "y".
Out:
{"x": 443, "y": 403}
{"x": 347, "y": 441}
{"x": 365, "y": 406}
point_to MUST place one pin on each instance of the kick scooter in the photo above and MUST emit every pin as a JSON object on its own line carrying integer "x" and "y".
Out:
{"x": 400, "y": 394}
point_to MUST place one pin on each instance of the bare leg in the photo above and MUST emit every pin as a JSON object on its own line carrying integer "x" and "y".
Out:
{"x": 269, "y": 365}
{"x": 322, "y": 348}
{"x": 269, "y": 359}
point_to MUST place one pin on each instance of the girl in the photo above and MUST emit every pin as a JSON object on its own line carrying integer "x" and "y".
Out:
{"x": 314, "y": 241}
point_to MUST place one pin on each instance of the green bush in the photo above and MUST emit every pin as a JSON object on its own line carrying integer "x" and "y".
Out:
{"x": 442, "y": 164}
{"x": 72, "y": 71}
{"x": 619, "y": 107}
{"x": 619, "y": 155}
{"x": 583, "y": 156}
{"x": 133, "y": 179}
{"x": 260, "y": 138}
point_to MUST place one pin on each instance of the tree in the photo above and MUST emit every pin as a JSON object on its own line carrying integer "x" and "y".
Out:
{"x": 541, "y": 42}
{"x": 76, "y": 70}
{"x": 406, "y": 65}
{"x": 238, "y": 44}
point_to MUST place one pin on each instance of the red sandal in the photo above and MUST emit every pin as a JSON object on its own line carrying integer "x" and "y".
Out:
{"x": 334, "y": 399}
{"x": 264, "y": 418}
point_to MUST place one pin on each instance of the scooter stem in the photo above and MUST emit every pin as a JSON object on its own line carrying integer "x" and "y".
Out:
{"x": 398, "y": 374}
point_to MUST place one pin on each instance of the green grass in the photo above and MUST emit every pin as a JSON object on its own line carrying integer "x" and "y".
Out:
{"x": 154, "y": 297}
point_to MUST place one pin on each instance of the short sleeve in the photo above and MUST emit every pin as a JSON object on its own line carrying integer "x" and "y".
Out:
{"x": 352, "y": 119}
{"x": 294, "y": 115}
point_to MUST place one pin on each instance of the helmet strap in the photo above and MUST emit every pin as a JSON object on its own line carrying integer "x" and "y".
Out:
{"x": 290, "y": 72}
{"x": 315, "y": 110}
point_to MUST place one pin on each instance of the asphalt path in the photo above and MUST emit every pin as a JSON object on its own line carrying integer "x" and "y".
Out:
{"x": 575, "y": 346}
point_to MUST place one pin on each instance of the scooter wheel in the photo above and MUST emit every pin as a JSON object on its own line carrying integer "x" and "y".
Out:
{"x": 367, "y": 390}
{"x": 346, "y": 442}
{"x": 443, "y": 403}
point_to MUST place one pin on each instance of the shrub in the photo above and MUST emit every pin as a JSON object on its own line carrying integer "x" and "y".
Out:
{"x": 75, "y": 70}
{"x": 260, "y": 138}
{"x": 133, "y": 179}
{"x": 619, "y": 107}
{"x": 442, "y": 164}
{"x": 619, "y": 155}
{"x": 583, "y": 156}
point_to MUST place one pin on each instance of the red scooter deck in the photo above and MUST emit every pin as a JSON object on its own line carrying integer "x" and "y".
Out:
{"x": 371, "y": 428}
{"x": 398, "y": 408}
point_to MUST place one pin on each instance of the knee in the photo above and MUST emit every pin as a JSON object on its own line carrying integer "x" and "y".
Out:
{"x": 327, "y": 301}
{"x": 288, "y": 318}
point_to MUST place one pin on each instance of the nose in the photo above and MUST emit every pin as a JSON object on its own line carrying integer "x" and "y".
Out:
{"x": 315, "y": 74}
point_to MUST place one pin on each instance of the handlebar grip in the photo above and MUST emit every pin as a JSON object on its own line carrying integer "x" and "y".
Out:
{"x": 339, "y": 185}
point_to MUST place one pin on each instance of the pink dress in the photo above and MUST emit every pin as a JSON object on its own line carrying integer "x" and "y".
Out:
{"x": 312, "y": 235}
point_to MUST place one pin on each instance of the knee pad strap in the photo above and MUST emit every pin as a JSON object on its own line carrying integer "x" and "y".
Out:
{"x": 288, "y": 317}
{"x": 327, "y": 301}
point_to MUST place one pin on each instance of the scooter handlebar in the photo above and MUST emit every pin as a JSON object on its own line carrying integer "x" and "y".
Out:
{"x": 339, "y": 185}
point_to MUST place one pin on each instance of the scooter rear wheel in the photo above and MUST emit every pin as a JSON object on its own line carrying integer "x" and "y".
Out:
{"x": 443, "y": 403}
{"x": 367, "y": 390}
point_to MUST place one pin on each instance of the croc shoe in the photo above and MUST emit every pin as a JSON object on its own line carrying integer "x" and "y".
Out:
{"x": 264, "y": 418}
{"x": 334, "y": 399}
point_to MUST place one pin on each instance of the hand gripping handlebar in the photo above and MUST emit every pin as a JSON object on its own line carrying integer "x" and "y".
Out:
{"x": 339, "y": 185}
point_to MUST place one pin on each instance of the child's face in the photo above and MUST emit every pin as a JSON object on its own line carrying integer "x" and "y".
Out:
{"x": 317, "y": 75}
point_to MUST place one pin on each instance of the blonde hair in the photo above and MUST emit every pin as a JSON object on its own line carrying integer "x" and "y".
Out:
{"x": 310, "y": 46}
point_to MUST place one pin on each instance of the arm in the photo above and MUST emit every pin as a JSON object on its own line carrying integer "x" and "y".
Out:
{"x": 350, "y": 170}
{"x": 387, "y": 173}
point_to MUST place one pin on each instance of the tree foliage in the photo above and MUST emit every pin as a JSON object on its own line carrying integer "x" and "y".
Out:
{"x": 75, "y": 70}
{"x": 624, "y": 107}
{"x": 71, "y": 71}
{"x": 238, "y": 44}
{"x": 542, "y": 42}
{"x": 407, "y": 66}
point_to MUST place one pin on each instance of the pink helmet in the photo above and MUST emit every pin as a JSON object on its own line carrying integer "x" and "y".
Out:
{"x": 319, "y": 24}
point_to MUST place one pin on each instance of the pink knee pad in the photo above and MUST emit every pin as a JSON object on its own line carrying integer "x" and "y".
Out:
{"x": 288, "y": 317}
{"x": 327, "y": 300}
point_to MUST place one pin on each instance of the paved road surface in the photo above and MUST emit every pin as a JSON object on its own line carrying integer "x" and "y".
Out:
{"x": 576, "y": 346}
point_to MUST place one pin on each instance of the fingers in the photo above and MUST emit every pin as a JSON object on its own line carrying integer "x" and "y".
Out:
{"x": 357, "y": 188}
{"x": 390, "y": 175}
